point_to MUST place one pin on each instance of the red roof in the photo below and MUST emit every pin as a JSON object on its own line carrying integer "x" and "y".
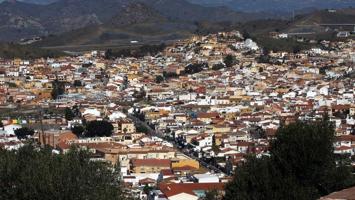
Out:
{"x": 207, "y": 115}
{"x": 63, "y": 145}
{"x": 348, "y": 194}
{"x": 146, "y": 181}
{"x": 346, "y": 138}
{"x": 166, "y": 172}
{"x": 65, "y": 137}
{"x": 343, "y": 148}
{"x": 177, "y": 188}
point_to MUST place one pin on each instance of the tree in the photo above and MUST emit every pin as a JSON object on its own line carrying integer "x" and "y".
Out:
{"x": 305, "y": 150}
{"x": 159, "y": 79}
{"x": 58, "y": 88}
{"x": 301, "y": 165}
{"x": 142, "y": 129}
{"x": 147, "y": 189}
{"x": 78, "y": 130}
{"x": 195, "y": 68}
{"x": 257, "y": 132}
{"x": 23, "y": 133}
{"x": 108, "y": 54}
{"x": 218, "y": 66}
{"x": 69, "y": 114}
{"x": 296, "y": 49}
{"x": 246, "y": 34}
{"x": 261, "y": 70}
{"x": 230, "y": 60}
{"x": 45, "y": 175}
{"x": 99, "y": 129}
{"x": 264, "y": 59}
{"x": 211, "y": 195}
{"x": 77, "y": 83}
{"x": 259, "y": 178}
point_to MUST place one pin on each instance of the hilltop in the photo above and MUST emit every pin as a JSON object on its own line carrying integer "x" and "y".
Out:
{"x": 20, "y": 20}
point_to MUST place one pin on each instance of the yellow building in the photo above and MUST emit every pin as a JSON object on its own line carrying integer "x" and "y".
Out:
{"x": 128, "y": 127}
{"x": 352, "y": 110}
{"x": 152, "y": 115}
{"x": 142, "y": 166}
{"x": 221, "y": 129}
{"x": 17, "y": 61}
{"x": 123, "y": 156}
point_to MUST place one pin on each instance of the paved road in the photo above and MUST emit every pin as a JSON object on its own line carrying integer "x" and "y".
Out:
{"x": 185, "y": 151}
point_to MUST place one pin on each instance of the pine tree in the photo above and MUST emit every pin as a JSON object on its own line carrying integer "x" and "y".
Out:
{"x": 30, "y": 173}
{"x": 301, "y": 165}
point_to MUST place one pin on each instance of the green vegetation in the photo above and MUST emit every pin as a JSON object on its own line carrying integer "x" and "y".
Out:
{"x": 11, "y": 84}
{"x": 195, "y": 68}
{"x": 135, "y": 52}
{"x": 99, "y": 129}
{"x": 147, "y": 189}
{"x": 58, "y": 88}
{"x": 23, "y": 133}
{"x": 288, "y": 45}
{"x": 301, "y": 165}
{"x": 159, "y": 79}
{"x": 77, "y": 83}
{"x": 69, "y": 114}
{"x": 10, "y": 51}
{"x": 78, "y": 130}
{"x": 168, "y": 75}
{"x": 218, "y": 66}
{"x": 30, "y": 173}
{"x": 230, "y": 61}
{"x": 142, "y": 129}
{"x": 211, "y": 195}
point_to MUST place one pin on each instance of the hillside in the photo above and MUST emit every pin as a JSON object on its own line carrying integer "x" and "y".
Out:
{"x": 10, "y": 51}
{"x": 40, "y": 2}
{"x": 150, "y": 22}
{"x": 23, "y": 20}
{"x": 319, "y": 21}
{"x": 287, "y": 6}
{"x": 134, "y": 22}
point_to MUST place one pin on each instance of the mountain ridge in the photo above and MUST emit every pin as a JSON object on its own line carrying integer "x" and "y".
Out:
{"x": 23, "y": 20}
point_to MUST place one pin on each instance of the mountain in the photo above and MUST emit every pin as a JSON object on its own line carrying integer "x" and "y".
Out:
{"x": 275, "y": 5}
{"x": 25, "y": 20}
{"x": 92, "y": 23}
{"x": 40, "y": 2}
{"x": 185, "y": 11}
{"x": 22, "y": 20}
{"x": 135, "y": 21}
{"x": 321, "y": 23}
